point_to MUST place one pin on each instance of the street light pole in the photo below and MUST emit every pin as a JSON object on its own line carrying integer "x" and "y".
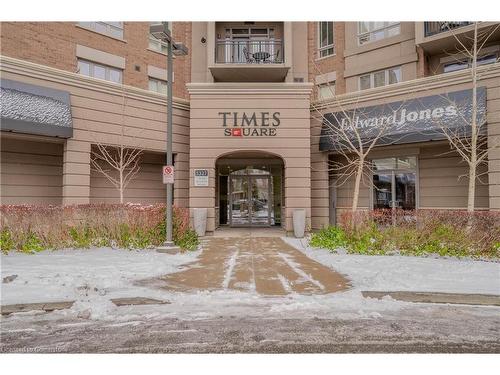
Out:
{"x": 170, "y": 186}
{"x": 161, "y": 31}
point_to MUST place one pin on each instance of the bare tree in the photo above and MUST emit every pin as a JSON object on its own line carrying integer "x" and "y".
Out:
{"x": 118, "y": 163}
{"x": 351, "y": 137}
{"x": 469, "y": 139}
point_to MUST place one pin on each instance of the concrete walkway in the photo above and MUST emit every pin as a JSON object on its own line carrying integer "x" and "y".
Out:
{"x": 266, "y": 265}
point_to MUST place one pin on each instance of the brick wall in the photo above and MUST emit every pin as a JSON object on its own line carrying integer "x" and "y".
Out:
{"x": 54, "y": 44}
{"x": 333, "y": 63}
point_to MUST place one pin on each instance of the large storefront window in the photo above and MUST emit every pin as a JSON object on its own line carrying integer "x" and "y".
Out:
{"x": 394, "y": 183}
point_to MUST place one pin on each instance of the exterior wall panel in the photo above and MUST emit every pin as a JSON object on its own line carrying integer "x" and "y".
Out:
{"x": 108, "y": 114}
{"x": 31, "y": 172}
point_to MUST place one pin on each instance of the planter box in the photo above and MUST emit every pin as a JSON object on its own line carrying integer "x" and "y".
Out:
{"x": 299, "y": 223}
{"x": 200, "y": 220}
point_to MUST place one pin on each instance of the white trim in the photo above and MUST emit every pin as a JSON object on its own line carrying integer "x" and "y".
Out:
{"x": 107, "y": 70}
{"x": 159, "y": 73}
{"x": 101, "y": 57}
{"x": 108, "y": 26}
{"x": 386, "y": 77}
{"x": 325, "y": 78}
{"x": 387, "y": 25}
{"x": 257, "y": 88}
{"x": 328, "y": 46}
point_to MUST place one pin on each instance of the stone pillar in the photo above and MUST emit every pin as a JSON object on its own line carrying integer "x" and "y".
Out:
{"x": 76, "y": 172}
{"x": 202, "y": 196}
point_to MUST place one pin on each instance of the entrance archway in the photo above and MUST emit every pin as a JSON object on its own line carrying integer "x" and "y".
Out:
{"x": 249, "y": 190}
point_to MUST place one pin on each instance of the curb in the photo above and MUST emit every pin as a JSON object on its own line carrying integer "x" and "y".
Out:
{"x": 45, "y": 306}
{"x": 51, "y": 306}
{"x": 438, "y": 297}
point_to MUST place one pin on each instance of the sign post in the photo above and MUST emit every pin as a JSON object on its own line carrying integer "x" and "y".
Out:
{"x": 168, "y": 174}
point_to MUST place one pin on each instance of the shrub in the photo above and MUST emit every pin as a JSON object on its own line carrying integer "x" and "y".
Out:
{"x": 422, "y": 232}
{"x": 34, "y": 228}
{"x": 329, "y": 238}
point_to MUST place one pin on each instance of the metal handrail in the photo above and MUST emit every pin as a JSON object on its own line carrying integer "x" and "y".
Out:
{"x": 433, "y": 28}
{"x": 230, "y": 51}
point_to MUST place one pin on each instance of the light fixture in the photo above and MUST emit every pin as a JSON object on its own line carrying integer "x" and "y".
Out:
{"x": 161, "y": 31}
{"x": 179, "y": 49}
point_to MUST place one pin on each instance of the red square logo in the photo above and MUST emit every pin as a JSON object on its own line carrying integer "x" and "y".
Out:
{"x": 236, "y": 132}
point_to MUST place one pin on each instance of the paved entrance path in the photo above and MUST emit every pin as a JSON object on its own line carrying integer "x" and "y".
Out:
{"x": 268, "y": 266}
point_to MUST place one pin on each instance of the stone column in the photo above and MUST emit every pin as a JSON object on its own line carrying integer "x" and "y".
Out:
{"x": 76, "y": 172}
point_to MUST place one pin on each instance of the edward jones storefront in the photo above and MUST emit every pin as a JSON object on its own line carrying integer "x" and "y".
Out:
{"x": 250, "y": 141}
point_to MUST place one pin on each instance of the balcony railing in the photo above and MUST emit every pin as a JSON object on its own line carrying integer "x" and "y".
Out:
{"x": 432, "y": 28}
{"x": 249, "y": 51}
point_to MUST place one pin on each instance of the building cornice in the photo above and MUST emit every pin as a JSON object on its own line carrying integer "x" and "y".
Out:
{"x": 246, "y": 88}
{"x": 414, "y": 86}
{"x": 38, "y": 71}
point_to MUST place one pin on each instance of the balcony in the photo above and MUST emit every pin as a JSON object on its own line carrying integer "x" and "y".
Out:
{"x": 432, "y": 28}
{"x": 438, "y": 37}
{"x": 249, "y": 52}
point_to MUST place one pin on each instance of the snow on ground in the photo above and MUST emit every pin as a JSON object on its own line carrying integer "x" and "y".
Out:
{"x": 406, "y": 273}
{"x": 92, "y": 277}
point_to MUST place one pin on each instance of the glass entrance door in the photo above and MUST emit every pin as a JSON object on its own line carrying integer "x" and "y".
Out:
{"x": 259, "y": 205}
{"x": 250, "y": 200}
{"x": 239, "y": 210}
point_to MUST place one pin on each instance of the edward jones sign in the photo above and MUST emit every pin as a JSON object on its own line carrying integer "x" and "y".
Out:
{"x": 413, "y": 120}
{"x": 253, "y": 124}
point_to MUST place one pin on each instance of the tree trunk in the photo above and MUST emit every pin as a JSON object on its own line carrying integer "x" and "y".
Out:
{"x": 474, "y": 132}
{"x": 357, "y": 183}
{"x": 472, "y": 188}
{"x": 121, "y": 186}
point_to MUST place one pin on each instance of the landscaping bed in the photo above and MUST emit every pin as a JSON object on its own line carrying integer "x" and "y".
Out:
{"x": 417, "y": 233}
{"x": 30, "y": 228}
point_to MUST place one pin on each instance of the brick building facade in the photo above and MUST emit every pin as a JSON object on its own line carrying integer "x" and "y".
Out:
{"x": 245, "y": 114}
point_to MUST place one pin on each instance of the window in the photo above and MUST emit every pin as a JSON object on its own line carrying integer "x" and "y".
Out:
{"x": 394, "y": 182}
{"x": 95, "y": 70}
{"x": 114, "y": 29}
{"x": 156, "y": 44}
{"x": 326, "y": 91}
{"x": 464, "y": 64}
{"x": 380, "y": 78}
{"x": 325, "y": 39}
{"x": 158, "y": 85}
{"x": 372, "y": 31}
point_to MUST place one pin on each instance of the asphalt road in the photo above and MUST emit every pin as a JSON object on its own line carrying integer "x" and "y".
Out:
{"x": 447, "y": 329}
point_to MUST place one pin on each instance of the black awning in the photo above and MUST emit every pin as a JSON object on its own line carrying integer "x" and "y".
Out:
{"x": 31, "y": 109}
{"x": 410, "y": 121}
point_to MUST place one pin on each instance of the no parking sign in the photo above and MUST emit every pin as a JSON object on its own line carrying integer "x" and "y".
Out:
{"x": 168, "y": 174}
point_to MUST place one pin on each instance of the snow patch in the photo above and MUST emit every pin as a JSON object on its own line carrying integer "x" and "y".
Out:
{"x": 407, "y": 273}
{"x": 229, "y": 269}
{"x": 294, "y": 266}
